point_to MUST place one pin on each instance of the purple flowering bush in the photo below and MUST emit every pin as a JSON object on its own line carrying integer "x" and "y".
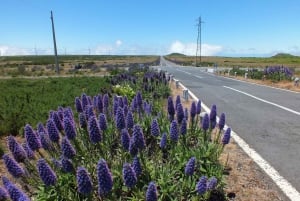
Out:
{"x": 118, "y": 147}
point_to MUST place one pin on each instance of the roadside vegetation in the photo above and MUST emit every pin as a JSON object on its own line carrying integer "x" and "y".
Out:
{"x": 287, "y": 60}
{"x": 131, "y": 141}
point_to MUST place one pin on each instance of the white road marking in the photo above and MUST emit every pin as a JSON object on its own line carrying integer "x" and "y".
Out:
{"x": 280, "y": 181}
{"x": 184, "y": 72}
{"x": 265, "y": 101}
{"x": 198, "y": 76}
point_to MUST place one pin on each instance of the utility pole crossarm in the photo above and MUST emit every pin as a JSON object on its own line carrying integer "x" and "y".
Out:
{"x": 54, "y": 41}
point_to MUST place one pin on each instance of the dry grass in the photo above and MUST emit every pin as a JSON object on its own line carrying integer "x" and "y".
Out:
{"x": 282, "y": 84}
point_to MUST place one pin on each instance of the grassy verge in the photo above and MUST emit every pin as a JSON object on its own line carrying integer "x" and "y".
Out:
{"x": 29, "y": 100}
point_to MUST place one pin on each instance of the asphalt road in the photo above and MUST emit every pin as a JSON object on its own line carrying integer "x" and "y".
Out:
{"x": 267, "y": 119}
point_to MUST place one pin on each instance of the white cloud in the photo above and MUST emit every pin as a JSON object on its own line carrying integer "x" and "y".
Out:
{"x": 6, "y": 50}
{"x": 118, "y": 43}
{"x": 190, "y": 48}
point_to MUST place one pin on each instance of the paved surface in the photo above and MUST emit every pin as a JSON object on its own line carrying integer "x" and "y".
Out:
{"x": 267, "y": 119}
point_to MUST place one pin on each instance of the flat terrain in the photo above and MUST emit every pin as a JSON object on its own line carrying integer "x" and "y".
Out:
{"x": 248, "y": 62}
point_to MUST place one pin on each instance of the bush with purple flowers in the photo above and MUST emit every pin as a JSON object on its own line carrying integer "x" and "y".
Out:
{"x": 121, "y": 146}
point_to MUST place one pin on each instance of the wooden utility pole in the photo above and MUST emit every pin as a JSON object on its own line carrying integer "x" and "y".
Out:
{"x": 54, "y": 41}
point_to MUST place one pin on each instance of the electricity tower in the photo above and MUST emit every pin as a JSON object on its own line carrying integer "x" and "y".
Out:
{"x": 198, "y": 40}
{"x": 54, "y": 41}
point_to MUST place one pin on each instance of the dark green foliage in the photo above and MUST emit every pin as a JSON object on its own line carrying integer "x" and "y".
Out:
{"x": 23, "y": 100}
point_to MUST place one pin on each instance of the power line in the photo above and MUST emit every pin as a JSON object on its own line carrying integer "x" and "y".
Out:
{"x": 199, "y": 40}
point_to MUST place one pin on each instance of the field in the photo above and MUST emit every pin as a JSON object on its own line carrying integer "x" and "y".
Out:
{"x": 30, "y": 100}
{"x": 18, "y": 66}
{"x": 248, "y": 62}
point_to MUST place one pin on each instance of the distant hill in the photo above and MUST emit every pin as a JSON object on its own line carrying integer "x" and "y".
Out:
{"x": 283, "y": 55}
{"x": 177, "y": 54}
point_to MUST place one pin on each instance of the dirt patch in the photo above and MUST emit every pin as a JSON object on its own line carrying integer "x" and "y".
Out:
{"x": 245, "y": 181}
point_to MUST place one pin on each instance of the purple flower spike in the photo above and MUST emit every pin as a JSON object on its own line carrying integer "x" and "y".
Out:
{"x": 78, "y": 105}
{"x": 125, "y": 139}
{"x": 29, "y": 152}
{"x": 177, "y": 101}
{"x": 46, "y": 173}
{"x": 41, "y": 128}
{"x": 105, "y": 180}
{"x": 213, "y": 116}
{"x": 84, "y": 101}
{"x": 222, "y": 121}
{"x": 183, "y": 128}
{"x": 3, "y": 194}
{"x": 198, "y": 108}
{"x": 151, "y": 193}
{"x": 125, "y": 100}
{"x": 136, "y": 165}
{"x": 226, "y": 136}
{"x": 14, "y": 192}
{"x": 82, "y": 120}
{"x": 69, "y": 129}
{"x": 52, "y": 131}
{"x": 205, "y": 122}
{"x": 57, "y": 121}
{"x": 212, "y": 183}
{"x": 171, "y": 109}
{"x": 66, "y": 165}
{"x": 120, "y": 119}
{"x": 84, "y": 181}
{"x": 201, "y": 186}
{"x": 99, "y": 104}
{"x": 174, "y": 131}
{"x": 163, "y": 141}
{"x": 12, "y": 166}
{"x": 133, "y": 149}
{"x": 115, "y": 106}
{"x": 129, "y": 175}
{"x": 46, "y": 142}
{"x": 67, "y": 149}
{"x": 190, "y": 166}
{"x": 193, "y": 110}
{"x": 94, "y": 130}
{"x": 180, "y": 113}
{"x": 68, "y": 113}
{"x": 155, "y": 130}
{"x": 31, "y": 138}
{"x": 129, "y": 120}
{"x": 102, "y": 122}
{"x": 105, "y": 100}
{"x": 89, "y": 112}
{"x": 16, "y": 149}
{"x": 134, "y": 105}
{"x": 120, "y": 102}
{"x": 139, "y": 99}
{"x": 138, "y": 137}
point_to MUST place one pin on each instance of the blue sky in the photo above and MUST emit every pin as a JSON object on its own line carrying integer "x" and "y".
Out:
{"x": 230, "y": 28}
